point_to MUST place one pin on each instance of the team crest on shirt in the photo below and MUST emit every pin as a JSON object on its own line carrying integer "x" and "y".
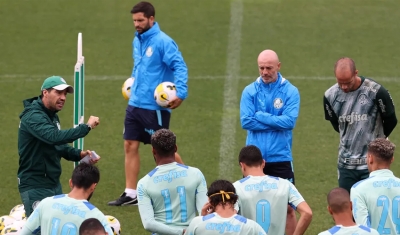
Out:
{"x": 362, "y": 99}
{"x": 278, "y": 103}
{"x": 149, "y": 51}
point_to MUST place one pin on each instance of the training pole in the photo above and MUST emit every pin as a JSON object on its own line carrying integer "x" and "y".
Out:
{"x": 79, "y": 93}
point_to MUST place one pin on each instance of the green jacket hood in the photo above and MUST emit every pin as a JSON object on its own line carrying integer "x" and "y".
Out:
{"x": 34, "y": 103}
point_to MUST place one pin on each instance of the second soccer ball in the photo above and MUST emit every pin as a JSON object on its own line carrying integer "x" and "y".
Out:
{"x": 164, "y": 93}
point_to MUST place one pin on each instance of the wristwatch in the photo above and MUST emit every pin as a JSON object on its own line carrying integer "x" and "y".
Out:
{"x": 90, "y": 127}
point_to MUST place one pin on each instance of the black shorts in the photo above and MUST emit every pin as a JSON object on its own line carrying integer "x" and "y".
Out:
{"x": 140, "y": 123}
{"x": 280, "y": 169}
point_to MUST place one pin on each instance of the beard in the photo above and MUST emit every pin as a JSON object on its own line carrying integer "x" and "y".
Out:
{"x": 144, "y": 29}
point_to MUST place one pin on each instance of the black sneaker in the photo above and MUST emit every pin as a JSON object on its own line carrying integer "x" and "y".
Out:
{"x": 124, "y": 200}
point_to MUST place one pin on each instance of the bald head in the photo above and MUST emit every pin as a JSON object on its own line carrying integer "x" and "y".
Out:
{"x": 344, "y": 65}
{"x": 339, "y": 200}
{"x": 268, "y": 66}
{"x": 346, "y": 74}
{"x": 268, "y": 55}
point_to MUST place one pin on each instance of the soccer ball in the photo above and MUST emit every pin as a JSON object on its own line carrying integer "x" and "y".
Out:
{"x": 126, "y": 88}
{"x": 164, "y": 92}
{"x": 114, "y": 224}
{"x": 18, "y": 215}
{"x": 19, "y": 224}
{"x": 11, "y": 229}
{"x": 5, "y": 221}
{"x": 19, "y": 207}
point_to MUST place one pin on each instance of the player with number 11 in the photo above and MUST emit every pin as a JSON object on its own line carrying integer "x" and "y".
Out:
{"x": 170, "y": 195}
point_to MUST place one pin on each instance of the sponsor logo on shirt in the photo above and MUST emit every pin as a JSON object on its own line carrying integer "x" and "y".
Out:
{"x": 170, "y": 176}
{"x": 263, "y": 185}
{"x": 73, "y": 210}
{"x": 353, "y": 117}
{"x": 223, "y": 227}
{"x": 390, "y": 183}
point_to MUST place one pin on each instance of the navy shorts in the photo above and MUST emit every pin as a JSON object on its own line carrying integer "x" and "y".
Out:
{"x": 280, "y": 169}
{"x": 140, "y": 123}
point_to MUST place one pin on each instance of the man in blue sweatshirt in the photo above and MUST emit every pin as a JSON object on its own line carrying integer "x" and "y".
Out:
{"x": 157, "y": 59}
{"x": 269, "y": 108}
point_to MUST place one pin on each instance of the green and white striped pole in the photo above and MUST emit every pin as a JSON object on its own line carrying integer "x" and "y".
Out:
{"x": 79, "y": 94}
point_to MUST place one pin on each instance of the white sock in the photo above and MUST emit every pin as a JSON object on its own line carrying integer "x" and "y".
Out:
{"x": 130, "y": 192}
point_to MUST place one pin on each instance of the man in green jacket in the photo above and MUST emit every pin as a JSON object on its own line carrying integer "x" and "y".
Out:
{"x": 42, "y": 143}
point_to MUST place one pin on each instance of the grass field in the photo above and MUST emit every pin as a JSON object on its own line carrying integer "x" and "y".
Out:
{"x": 220, "y": 41}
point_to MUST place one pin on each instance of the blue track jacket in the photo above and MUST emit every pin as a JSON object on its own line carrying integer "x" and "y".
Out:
{"x": 269, "y": 112}
{"x": 157, "y": 59}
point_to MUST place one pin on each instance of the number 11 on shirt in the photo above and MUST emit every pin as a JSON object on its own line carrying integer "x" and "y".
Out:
{"x": 168, "y": 207}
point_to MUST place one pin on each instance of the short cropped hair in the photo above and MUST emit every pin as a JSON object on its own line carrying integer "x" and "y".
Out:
{"x": 339, "y": 200}
{"x": 91, "y": 226}
{"x": 251, "y": 156}
{"x": 84, "y": 175}
{"x": 382, "y": 148}
{"x": 222, "y": 192}
{"x": 164, "y": 142}
{"x": 144, "y": 7}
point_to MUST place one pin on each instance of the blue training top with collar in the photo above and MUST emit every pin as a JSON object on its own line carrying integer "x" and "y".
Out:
{"x": 269, "y": 112}
{"x": 157, "y": 59}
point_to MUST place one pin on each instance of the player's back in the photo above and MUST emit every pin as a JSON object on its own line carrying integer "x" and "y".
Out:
{"x": 263, "y": 196}
{"x": 350, "y": 230}
{"x": 64, "y": 215}
{"x": 380, "y": 193}
{"x": 213, "y": 224}
{"x": 172, "y": 190}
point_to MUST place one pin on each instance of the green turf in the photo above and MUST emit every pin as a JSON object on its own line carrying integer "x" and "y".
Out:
{"x": 38, "y": 39}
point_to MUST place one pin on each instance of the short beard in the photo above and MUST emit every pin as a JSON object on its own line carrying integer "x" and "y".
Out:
{"x": 146, "y": 29}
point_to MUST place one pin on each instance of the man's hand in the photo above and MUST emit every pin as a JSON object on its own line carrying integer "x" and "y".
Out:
{"x": 207, "y": 209}
{"x": 92, "y": 159}
{"x": 174, "y": 103}
{"x": 93, "y": 121}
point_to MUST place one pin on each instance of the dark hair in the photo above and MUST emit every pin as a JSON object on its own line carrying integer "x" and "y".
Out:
{"x": 382, "y": 149}
{"x": 345, "y": 63}
{"x": 146, "y": 8}
{"x": 164, "y": 142}
{"x": 222, "y": 192}
{"x": 251, "y": 156}
{"x": 91, "y": 226}
{"x": 48, "y": 90}
{"x": 84, "y": 175}
{"x": 339, "y": 200}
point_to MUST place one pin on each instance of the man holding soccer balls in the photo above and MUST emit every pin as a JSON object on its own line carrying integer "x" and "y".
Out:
{"x": 157, "y": 61}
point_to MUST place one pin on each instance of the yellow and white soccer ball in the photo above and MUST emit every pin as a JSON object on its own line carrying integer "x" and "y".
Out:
{"x": 164, "y": 93}
{"x": 5, "y": 221}
{"x": 18, "y": 215}
{"x": 19, "y": 223}
{"x": 11, "y": 230}
{"x": 114, "y": 224}
{"x": 19, "y": 207}
{"x": 126, "y": 88}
